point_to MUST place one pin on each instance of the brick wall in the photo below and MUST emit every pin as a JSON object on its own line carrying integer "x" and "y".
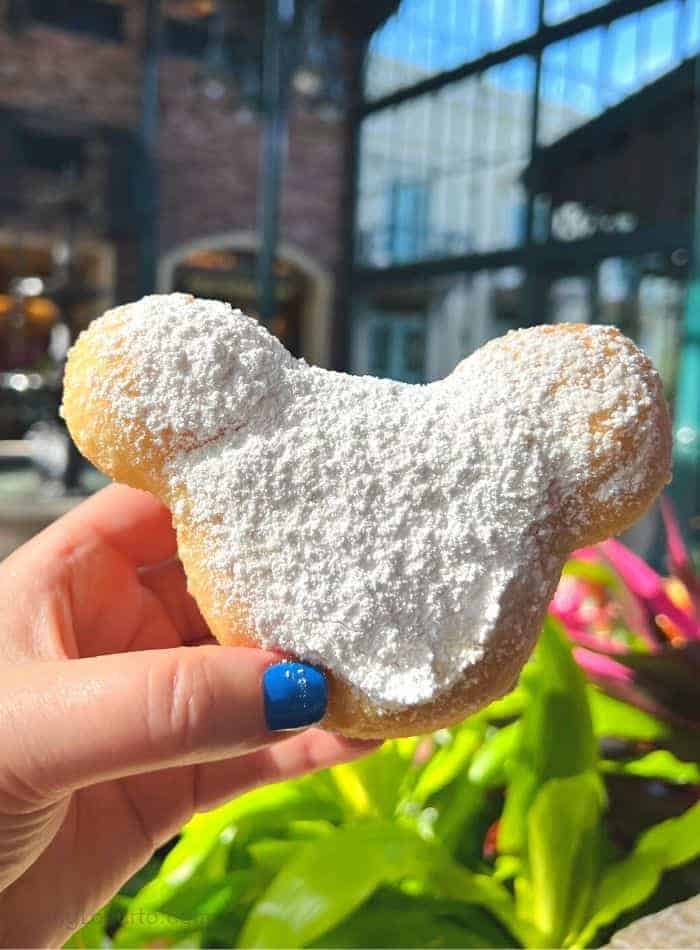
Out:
{"x": 209, "y": 170}
{"x": 208, "y": 158}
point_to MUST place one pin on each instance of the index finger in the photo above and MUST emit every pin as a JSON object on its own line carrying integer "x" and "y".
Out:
{"x": 133, "y": 522}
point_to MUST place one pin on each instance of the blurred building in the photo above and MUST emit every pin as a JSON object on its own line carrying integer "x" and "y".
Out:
{"x": 74, "y": 175}
{"x": 193, "y": 145}
{"x": 522, "y": 162}
{"x": 528, "y": 161}
{"x": 424, "y": 196}
{"x": 428, "y": 174}
{"x": 480, "y": 164}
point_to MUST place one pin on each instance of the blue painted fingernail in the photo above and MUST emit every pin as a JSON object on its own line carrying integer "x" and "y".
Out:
{"x": 295, "y": 695}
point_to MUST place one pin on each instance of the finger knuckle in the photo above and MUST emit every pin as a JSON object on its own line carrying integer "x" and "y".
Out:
{"x": 308, "y": 756}
{"x": 21, "y": 794}
{"x": 181, "y": 705}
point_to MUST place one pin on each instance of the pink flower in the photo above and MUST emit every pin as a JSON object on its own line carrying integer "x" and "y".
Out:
{"x": 635, "y": 633}
{"x": 602, "y": 667}
{"x": 648, "y": 586}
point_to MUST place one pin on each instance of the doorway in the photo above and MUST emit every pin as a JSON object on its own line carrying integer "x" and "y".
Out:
{"x": 223, "y": 266}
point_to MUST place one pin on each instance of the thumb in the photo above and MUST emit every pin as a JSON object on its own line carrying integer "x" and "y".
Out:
{"x": 68, "y": 724}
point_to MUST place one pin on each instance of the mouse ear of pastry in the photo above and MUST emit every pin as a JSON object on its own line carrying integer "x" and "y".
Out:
{"x": 164, "y": 375}
{"x": 606, "y": 430}
{"x": 98, "y": 387}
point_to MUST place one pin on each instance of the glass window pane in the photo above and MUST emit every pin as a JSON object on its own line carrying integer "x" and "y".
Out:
{"x": 425, "y": 37}
{"x": 631, "y": 169}
{"x": 645, "y": 296}
{"x": 660, "y": 39}
{"x": 622, "y": 72}
{"x": 584, "y": 74}
{"x": 418, "y": 331}
{"x": 569, "y": 300}
{"x": 571, "y": 84}
{"x": 691, "y": 29}
{"x": 661, "y": 304}
{"x": 440, "y": 174}
{"x": 643, "y": 46}
{"x": 557, "y": 10}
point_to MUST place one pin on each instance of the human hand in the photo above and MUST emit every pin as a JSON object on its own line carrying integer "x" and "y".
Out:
{"x": 118, "y": 717}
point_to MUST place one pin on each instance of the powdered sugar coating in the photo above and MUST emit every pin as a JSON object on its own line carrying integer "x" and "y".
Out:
{"x": 196, "y": 376}
{"x": 352, "y": 523}
{"x": 374, "y": 528}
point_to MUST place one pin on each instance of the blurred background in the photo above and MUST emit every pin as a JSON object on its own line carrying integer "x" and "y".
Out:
{"x": 386, "y": 184}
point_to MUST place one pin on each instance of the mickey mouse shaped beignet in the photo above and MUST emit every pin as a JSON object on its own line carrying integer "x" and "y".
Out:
{"x": 405, "y": 539}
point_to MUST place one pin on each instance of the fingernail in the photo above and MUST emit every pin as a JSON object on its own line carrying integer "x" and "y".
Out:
{"x": 295, "y": 695}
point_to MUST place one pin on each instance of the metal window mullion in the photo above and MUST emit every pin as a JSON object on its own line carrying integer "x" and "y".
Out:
{"x": 148, "y": 134}
{"x": 544, "y": 36}
{"x": 530, "y": 284}
{"x": 273, "y": 142}
{"x": 341, "y": 326}
{"x": 534, "y": 125}
{"x": 679, "y": 50}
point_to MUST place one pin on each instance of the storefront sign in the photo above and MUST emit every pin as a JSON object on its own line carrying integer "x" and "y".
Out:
{"x": 572, "y": 222}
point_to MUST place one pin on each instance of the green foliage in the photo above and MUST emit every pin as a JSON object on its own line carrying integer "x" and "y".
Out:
{"x": 492, "y": 834}
{"x": 393, "y": 919}
{"x": 627, "y": 883}
{"x": 92, "y": 934}
{"x": 555, "y": 737}
{"x": 304, "y": 900}
{"x": 564, "y": 850}
{"x": 661, "y": 765}
{"x": 612, "y": 717}
{"x": 595, "y": 572}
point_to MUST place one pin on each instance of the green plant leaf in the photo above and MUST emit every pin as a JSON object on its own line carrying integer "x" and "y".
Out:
{"x": 630, "y": 882}
{"x": 448, "y": 762}
{"x": 489, "y": 765}
{"x": 304, "y": 901}
{"x": 512, "y": 828}
{"x": 190, "y": 942}
{"x": 259, "y": 811}
{"x": 395, "y": 920}
{"x": 617, "y": 719}
{"x": 614, "y": 718}
{"x": 507, "y": 867}
{"x": 142, "y": 925}
{"x": 463, "y": 815}
{"x": 271, "y": 854}
{"x": 595, "y": 572}
{"x": 199, "y": 863}
{"x": 186, "y": 877}
{"x": 353, "y": 791}
{"x": 309, "y": 828}
{"x": 564, "y": 836}
{"x": 507, "y": 707}
{"x": 93, "y": 934}
{"x": 660, "y": 764}
{"x": 152, "y": 925}
{"x": 372, "y": 786}
{"x": 557, "y": 737}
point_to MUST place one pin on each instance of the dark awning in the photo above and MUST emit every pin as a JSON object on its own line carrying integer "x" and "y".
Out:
{"x": 636, "y": 157}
